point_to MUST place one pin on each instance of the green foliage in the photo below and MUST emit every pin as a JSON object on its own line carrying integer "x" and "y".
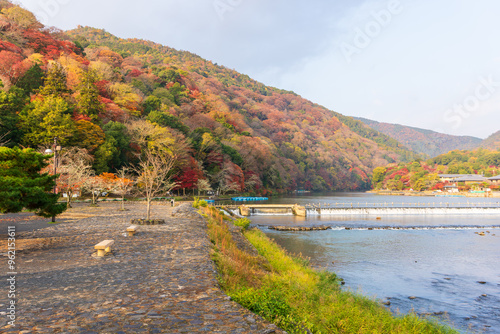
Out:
{"x": 23, "y": 186}
{"x": 243, "y": 223}
{"x": 11, "y": 103}
{"x": 164, "y": 95}
{"x": 280, "y": 141}
{"x": 151, "y": 103}
{"x": 45, "y": 119}
{"x": 178, "y": 93}
{"x": 378, "y": 174}
{"x": 55, "y": 81}
{"x": 199, "y": 203}
{"x": 297, "y": 298}
{"x": 31, "y": 80}
{"x": 169, "y": 75}
{"x": 105, "y": 155}
{"x": 112, "y": 154}
{"x": 88, "y": 96}
{"x": 233, "y": 154}
{"x": 268, "y": 301}
{"x": 167, "y": 120}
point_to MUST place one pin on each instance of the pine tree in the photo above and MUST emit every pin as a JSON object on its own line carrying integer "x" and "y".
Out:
{"x": 32, "y": 79}
{"x": 55, "y": 82}
{"x": 22, "y": 186}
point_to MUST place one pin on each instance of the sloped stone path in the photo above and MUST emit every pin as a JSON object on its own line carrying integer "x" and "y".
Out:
{"x": 161, "y": 280}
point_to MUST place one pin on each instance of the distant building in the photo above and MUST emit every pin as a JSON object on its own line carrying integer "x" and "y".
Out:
{"x": 495, "y": 180}
{"x": 451, "y": 189}
{"x": 469, "y": 179}
{"x": 452, "y": 177}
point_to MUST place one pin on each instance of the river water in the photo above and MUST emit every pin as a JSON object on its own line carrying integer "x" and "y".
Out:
{"x": 439, "y": 260}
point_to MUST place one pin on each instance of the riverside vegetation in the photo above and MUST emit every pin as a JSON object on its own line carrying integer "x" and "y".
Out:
{"x": 283, "y": 289}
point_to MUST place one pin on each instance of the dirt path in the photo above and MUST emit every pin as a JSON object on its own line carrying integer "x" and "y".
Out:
{"x": 161, "y": 280}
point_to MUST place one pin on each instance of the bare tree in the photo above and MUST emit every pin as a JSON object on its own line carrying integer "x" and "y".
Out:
{"x": 97, "y": 186}
{"x": 74, "y": 170}
{"x": 252, "y": 182}
{"x": 203, "y": 185}
{"x": 154, "y": 174}
{"x": 123, "y": 184}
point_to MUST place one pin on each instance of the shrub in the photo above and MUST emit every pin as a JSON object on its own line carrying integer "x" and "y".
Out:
{"x": 199, "y": 203}
{"x": 243, "y": 223}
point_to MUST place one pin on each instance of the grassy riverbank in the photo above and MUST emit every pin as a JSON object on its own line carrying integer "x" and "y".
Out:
{"x": 285, "y": 290}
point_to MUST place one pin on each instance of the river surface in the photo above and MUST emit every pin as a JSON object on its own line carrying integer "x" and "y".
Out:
{"x": 452, "y": 271}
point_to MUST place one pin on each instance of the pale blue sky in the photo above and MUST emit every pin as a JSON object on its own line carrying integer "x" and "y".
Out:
{"x": 430, "y": 64}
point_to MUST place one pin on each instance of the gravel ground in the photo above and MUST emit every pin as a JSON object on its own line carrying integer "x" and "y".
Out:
{"x": 161, "y": 280}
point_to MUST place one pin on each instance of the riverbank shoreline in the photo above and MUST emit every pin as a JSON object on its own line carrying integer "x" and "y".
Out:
{"x": 495, "y": 194}
{"x": 287, "y": 290}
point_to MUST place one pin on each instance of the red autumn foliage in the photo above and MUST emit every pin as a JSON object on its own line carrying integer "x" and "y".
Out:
{"x": 135, "y": 73}
{"x": 12, "y": 65}
{"x": 7, "y": 46}
{"x": 102, "y": 87}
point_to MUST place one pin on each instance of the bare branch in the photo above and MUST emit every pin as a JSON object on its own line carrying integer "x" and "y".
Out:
{"x": 154, "y": 176}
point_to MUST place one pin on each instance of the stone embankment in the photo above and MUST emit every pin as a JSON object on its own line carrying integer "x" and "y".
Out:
{"x": 161, "y": 280}
{"x": 299, "y": 228}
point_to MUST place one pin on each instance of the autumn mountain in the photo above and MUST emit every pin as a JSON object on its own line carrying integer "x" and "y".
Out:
{"x": 492, "y": 142}
{"x": 112, "y": 96}
{"x": 423, "y": 141}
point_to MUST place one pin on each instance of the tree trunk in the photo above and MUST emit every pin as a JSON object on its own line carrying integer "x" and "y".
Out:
{"x": 148, "y": 215}
{"x": 123, "y": 199}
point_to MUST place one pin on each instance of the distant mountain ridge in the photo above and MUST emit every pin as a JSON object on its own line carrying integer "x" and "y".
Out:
{"x": 424, "y": 141}
{"x": 492, "y": 142}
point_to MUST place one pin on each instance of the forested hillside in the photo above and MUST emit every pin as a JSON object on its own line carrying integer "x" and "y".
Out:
{"x": 423, "y": 175}
{"x": 115, "y": 98}
{"x": 423, "y": 141}
{"x": 492, "y": 142}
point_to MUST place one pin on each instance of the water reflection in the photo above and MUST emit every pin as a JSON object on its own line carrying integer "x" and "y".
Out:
{"x": 454, "y": 271}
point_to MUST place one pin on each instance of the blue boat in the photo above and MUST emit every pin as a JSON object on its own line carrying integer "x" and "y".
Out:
{"x": 244, "y": 199}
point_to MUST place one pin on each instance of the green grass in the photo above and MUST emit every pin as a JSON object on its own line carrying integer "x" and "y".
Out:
{"x": 285, "y": 290}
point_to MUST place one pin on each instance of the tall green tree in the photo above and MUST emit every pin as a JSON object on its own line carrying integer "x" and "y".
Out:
{"x": 112, "y": 154}
{"x": 32, "y": 79}
{"x": 55, "y": 82}
{"x": 88, "y": 96}
{"x": 23, "y": 186}
{"x": 45, "y": 119}
{"x": 11, "y": 103}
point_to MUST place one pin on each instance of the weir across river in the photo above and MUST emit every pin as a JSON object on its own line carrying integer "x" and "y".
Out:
{"x": 358, "y": 208}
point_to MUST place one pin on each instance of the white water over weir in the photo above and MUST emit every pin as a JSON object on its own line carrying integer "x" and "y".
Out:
{"x": 399, "y": 211}
{"x": 343, "y": 209}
